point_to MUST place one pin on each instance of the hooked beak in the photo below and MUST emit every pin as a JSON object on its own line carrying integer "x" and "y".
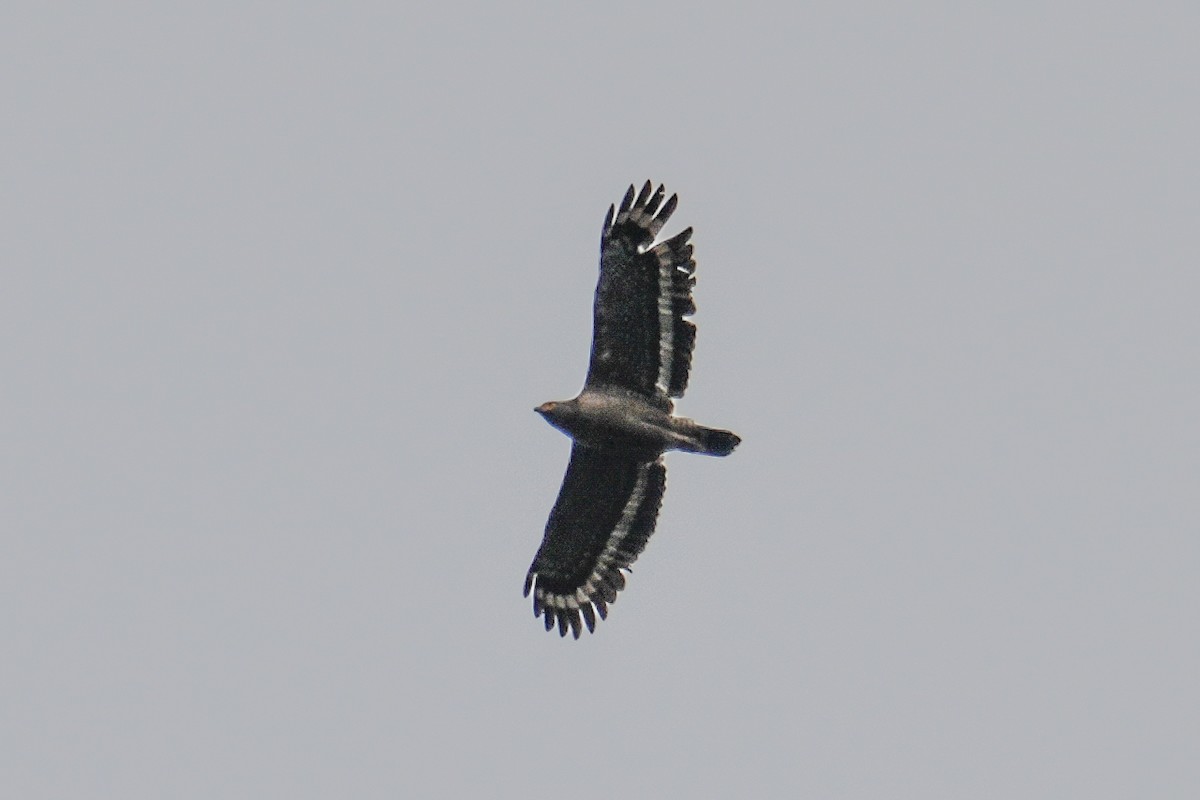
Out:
{"x": 544, "y": 408}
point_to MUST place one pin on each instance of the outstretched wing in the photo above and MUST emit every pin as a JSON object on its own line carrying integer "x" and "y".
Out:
{"x": 602, "y": 520}
{"x": 640, "y": 339}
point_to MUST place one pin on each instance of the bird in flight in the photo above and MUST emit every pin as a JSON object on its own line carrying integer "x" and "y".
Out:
{"x": 623, "y": 420}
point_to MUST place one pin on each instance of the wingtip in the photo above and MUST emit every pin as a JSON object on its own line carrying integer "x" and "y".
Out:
{"x": 644, "y": 195}
{"x": 655, "y": 201}
{"x": 627, "y": 201}
{"x": 668, "y": 208}
{"x": 576, "y": 627}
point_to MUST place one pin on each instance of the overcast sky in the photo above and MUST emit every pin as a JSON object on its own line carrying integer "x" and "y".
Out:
{"x": 282, "y": 285}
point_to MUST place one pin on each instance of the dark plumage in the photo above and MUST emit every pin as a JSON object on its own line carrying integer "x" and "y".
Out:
{"x": 622, "y": 422}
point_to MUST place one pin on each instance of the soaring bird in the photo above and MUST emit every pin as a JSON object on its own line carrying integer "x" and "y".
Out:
{"x": 623, "y": 420}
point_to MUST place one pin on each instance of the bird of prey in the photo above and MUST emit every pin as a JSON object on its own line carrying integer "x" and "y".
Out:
{"x": 623, "y": 420}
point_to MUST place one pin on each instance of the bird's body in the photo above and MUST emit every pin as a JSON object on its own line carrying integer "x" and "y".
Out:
{"x": 608, "y": 417}
{"x": 623, "y": 420}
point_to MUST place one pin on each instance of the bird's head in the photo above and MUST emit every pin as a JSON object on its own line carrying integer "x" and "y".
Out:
{"x": 558, "y": 413}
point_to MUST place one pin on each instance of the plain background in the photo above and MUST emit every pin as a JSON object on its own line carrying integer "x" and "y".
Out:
{"x": 282, "y": 284}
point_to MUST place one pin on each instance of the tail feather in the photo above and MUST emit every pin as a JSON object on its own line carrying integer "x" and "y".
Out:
{"x": 714, "y": 442}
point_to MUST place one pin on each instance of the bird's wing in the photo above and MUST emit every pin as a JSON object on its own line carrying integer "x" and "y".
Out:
{"x": 640, "y": 339}
{"x": 602, "y": 520}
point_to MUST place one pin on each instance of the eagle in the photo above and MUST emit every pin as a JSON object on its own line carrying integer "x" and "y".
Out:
{"x": 623, "y": 420}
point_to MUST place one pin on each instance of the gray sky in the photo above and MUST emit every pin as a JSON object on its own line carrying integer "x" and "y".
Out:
{"x": 282, "y": 286}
